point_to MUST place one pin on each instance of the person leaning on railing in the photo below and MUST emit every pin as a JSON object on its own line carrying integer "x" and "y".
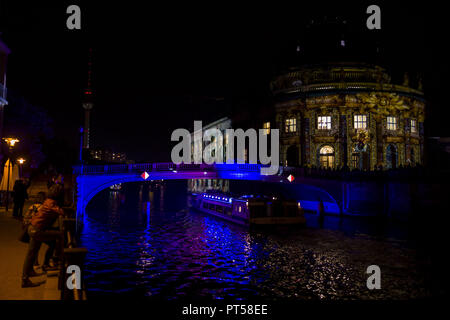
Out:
{"x": 26, "y": 221}
{"x": 40, "y": 230}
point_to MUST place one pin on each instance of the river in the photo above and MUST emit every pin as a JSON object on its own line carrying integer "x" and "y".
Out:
{"x": 135, "y": 251}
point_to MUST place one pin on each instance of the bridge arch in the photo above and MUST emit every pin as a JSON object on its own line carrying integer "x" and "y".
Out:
{"x": 91, "y": 180}
{"x": 94, "y": 191}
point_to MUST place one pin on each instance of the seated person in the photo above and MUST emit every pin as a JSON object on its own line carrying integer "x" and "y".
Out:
{"x": 40, "y": 230}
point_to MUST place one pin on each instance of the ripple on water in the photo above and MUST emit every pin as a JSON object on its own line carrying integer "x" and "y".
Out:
{"x": 179, "y": 255}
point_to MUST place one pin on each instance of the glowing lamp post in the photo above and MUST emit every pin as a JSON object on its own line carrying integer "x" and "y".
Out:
{"x": 21, "y": 162}
{"x": 11, "y": 143}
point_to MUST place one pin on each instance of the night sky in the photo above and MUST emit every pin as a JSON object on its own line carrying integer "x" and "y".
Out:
{"x": 160, "y": 67}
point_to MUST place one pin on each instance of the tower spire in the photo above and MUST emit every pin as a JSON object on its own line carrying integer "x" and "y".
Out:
{"x": 89, "y": 80}
{"x": 88, "y": 103}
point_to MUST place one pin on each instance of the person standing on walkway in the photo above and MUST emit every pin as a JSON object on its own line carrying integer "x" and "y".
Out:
{"x": 19, "y": 196}
{"x": 40, "y": 230}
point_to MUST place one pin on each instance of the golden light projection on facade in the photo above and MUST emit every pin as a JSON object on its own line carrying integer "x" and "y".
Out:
{"x": 326, "y": 107}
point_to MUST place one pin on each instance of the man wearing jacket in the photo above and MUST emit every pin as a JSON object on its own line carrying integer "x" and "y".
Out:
{"x": 40, "y": 231}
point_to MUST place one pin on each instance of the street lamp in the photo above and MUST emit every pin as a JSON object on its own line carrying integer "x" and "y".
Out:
{"x": 11, "y": 143}
{"x": 20, "y": 161}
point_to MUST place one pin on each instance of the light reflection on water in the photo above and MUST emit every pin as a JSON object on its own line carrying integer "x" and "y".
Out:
{"x": 170, "y": 254}
{"x": 137, "y": 252}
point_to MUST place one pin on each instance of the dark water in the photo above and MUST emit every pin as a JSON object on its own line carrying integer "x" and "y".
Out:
{"x": 137, "y": 252}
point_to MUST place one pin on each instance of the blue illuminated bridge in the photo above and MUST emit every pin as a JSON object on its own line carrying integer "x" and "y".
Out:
{"x": 91, "y": 179}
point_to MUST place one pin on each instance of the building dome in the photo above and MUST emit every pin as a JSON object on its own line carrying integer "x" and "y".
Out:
{"x": 338, "y": 77}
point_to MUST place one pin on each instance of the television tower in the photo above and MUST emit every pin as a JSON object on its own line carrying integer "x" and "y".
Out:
{"x": 87, "y": 104}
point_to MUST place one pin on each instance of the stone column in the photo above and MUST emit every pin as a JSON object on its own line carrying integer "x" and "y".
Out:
{"x": 343, "y": 139}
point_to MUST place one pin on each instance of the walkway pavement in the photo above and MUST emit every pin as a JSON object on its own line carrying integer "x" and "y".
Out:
{"x": 12, "y": 255}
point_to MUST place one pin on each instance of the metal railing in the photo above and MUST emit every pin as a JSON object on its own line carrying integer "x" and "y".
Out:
{"x": 161, "y": 167}
{"x": 399, "y": 174}
{"x": 350, "y": 86}
{"x": 72, "y": 256}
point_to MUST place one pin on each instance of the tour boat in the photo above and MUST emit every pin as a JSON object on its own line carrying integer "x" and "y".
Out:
{"x": 250, "y": 210}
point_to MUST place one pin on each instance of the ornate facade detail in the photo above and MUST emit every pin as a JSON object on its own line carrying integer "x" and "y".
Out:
{"x": 331, "y": 104}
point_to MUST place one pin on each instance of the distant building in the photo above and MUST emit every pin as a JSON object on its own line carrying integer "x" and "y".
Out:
{"x": 107, "y": 155}
{"x": 202, "y": 185}
{"x": 221, "y": 124}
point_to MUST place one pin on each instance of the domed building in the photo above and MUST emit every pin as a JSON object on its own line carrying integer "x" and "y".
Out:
{"x": 348, "y": 115}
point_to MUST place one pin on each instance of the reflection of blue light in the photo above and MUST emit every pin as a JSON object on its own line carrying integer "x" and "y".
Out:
{"x": 243, "y": 176}
{"x": 225, "y": 242}
{"x": 148, "y": 213}
{"x": 153, "y": 258}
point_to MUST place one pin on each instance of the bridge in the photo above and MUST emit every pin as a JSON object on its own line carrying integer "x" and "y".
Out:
{"x": 91, "y": 179}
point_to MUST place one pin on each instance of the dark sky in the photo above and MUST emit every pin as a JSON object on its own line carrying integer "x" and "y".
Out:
{"x": 159, "y": 67}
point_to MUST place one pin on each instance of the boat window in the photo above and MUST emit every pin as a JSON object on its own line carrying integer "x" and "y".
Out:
{"x": 219, "y": 208}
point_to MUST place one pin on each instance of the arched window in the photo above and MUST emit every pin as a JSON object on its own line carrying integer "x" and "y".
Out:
{"x": 391, "y": 156}
{"x": 361, "y": 160}
{"x": 326, "y": 157}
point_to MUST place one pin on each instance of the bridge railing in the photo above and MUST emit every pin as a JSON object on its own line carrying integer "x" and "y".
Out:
{"x": 417, "y": 173}
{"x": 161, "y": 167}
{"x": 140, "y": 167}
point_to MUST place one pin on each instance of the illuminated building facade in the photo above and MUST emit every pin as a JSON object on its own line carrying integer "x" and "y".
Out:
{"x": 221, "y": 124}
{"x": 348, "y": 115}
{"x": 202, "y": 185}
{"x": 106, "y": 155}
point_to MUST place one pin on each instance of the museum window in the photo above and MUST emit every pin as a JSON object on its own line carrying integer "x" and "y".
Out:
{"x": 360, "y": 121}
{"x": 413, "y": 126}
{"x": 324, "y": 122}
{"x": 355, "y": 159}
{"x": 266, "y": 127}
{"x": 391, "y": 123}
{"x": 326, "y": 157}
{"x": 291, "y": 125}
